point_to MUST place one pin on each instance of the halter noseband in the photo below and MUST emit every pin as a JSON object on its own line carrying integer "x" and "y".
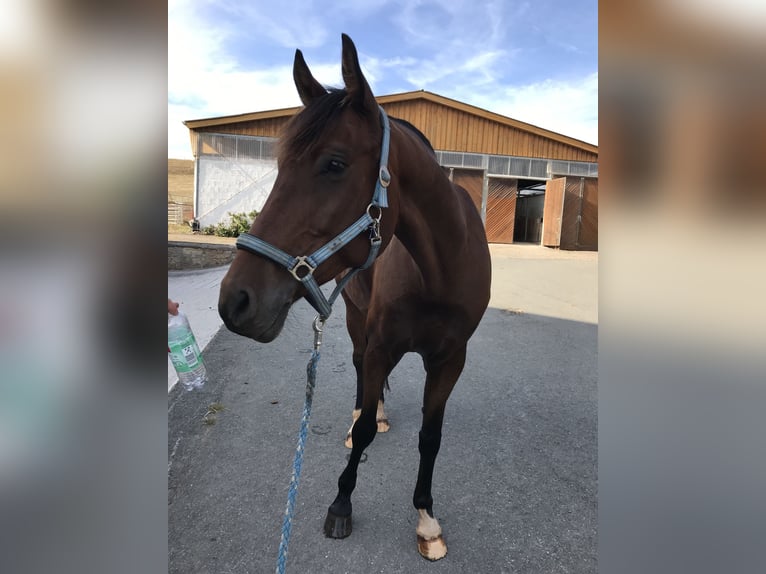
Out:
{"x": 302, "y": 267}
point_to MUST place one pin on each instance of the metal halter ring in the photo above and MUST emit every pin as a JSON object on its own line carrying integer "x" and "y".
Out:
{"x": 301, "y": 261}
{"x": 380, "y": 212}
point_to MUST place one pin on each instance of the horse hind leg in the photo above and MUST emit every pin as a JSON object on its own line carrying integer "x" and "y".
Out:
{"x": 381, "y": 418}
{"x": 440, "y": 380}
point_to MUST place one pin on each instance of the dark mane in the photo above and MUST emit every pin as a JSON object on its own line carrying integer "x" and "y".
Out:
{"x": 307, "y": 127}
{"x": 418, "y": 133}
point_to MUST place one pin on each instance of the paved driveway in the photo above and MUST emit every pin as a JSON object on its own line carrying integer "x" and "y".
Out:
{"x": 515, "y": 482}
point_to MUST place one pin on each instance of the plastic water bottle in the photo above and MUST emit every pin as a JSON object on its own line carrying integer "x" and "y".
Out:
{"x": 184, "y": 352}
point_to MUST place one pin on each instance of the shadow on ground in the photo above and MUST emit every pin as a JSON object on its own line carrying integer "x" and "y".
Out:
{"x": 515, "y": 482}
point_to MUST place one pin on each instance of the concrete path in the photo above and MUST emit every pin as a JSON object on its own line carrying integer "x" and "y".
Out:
{"x": 515, "y": 482}
{"x": 548, "y": 282}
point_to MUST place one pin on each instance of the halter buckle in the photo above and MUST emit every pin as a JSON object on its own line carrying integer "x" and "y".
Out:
{"x": 300, "y": 262}
{"x": 384, "y": 176}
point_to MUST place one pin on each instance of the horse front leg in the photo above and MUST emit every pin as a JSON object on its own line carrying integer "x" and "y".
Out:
{"x": 380, "y": 416}
{"x": 440, "y": 380}
{"x": 355, "y": 324}
{"x": 377, "y": 365}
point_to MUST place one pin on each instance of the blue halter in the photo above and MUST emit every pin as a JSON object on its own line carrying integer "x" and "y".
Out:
{"x": 302, "y": 267}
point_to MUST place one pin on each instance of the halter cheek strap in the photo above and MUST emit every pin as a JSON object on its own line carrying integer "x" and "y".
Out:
{"x": 302, "y": 267}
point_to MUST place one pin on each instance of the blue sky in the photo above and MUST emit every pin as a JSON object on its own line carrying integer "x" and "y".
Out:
{"x": 533, "y": 61}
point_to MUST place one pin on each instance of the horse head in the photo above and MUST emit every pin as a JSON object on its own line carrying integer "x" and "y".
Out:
{"x": 328, "y": 166}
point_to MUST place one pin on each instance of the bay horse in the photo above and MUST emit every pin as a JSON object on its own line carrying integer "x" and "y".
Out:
{"x": 425, "y": 292}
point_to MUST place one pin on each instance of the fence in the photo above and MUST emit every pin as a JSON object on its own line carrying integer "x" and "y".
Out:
{"x": 179, "y": 213}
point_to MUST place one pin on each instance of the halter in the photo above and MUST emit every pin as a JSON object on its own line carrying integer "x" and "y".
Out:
{"x": 302, "y": 267}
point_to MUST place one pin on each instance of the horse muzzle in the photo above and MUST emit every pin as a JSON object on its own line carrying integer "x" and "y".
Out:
{"x": 244, "y": 314}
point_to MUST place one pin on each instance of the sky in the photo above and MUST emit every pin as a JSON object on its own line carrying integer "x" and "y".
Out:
{"x": 535, "y": 62}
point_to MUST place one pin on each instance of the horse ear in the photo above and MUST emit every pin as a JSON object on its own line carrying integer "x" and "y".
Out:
{"x": 357, "y": 88}
{"x": 308, "y": 88}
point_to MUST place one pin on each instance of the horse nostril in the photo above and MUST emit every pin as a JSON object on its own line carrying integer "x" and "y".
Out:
{"x": 241, "y": 303}
{"x": 234, "y": 307}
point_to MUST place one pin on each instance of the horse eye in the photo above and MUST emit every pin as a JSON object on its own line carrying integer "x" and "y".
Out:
{"x": 335, "y": 166}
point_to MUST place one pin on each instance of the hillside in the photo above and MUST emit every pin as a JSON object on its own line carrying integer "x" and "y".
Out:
{"x": 181, "y": 181}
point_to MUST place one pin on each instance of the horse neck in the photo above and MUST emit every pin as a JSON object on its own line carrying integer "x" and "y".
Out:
{"x": 432, "y": 220}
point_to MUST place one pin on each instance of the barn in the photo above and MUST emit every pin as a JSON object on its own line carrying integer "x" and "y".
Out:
{"x": 529, "y": 184}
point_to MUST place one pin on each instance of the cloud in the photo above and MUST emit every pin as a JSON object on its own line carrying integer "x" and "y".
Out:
{"x": 566, "y": 107}
{"x": 305, "y": 24}
{"x": 457, "y": 49}
{"x": 205, "y": 79}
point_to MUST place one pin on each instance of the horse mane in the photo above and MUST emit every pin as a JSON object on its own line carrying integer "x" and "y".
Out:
{"x": 417, "y": 132}
{"x": 305, "y": 129}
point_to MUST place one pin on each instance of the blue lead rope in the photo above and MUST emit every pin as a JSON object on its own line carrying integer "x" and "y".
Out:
{"x": 292, "y": 492}
{"x": 302, "y": 269}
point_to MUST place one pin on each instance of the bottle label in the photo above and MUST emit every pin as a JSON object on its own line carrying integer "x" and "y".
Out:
{"x": 185, "y": 354}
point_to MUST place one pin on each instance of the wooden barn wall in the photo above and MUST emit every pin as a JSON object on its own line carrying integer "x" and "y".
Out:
{"x": 448, "y": 129}
{"x": 454, "y": 130}
{"x": 501, "y": 210}
{"x": 270, "y": 127}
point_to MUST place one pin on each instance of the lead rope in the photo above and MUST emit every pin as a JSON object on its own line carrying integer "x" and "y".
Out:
{"x": 311, "y": 372}
{"x": 292, "y": 493}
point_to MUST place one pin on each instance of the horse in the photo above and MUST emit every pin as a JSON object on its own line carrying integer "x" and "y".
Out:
{"x": 413, "y": 265}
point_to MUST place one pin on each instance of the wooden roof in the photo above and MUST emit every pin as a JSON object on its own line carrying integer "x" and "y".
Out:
{"x": 404, "y": 97}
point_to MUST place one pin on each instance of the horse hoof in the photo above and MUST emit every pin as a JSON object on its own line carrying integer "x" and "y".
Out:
{"x": 383, "y": 425}
{"x": 434, "y": 549}
{"x": 337, "y": 526}
{"x": 348, "y": 442}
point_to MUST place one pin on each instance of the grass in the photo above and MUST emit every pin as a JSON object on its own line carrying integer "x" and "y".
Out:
{"x": 176, "y": 228}
{"x": 181, "y": 180}
{"x": 180, "y": 188}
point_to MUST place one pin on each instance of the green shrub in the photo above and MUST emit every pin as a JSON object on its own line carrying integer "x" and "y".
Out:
{"x": 238, "y": 223}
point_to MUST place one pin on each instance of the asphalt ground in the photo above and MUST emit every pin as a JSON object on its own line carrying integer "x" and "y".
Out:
{"x": 515, "y": 484}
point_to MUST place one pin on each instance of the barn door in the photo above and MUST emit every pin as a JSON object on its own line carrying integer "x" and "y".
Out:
{"x": 501, "y": 210}
{"x": 588, "y": 231}
{"x": 553, "y": 211}
{"x": 471, "y": 180}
